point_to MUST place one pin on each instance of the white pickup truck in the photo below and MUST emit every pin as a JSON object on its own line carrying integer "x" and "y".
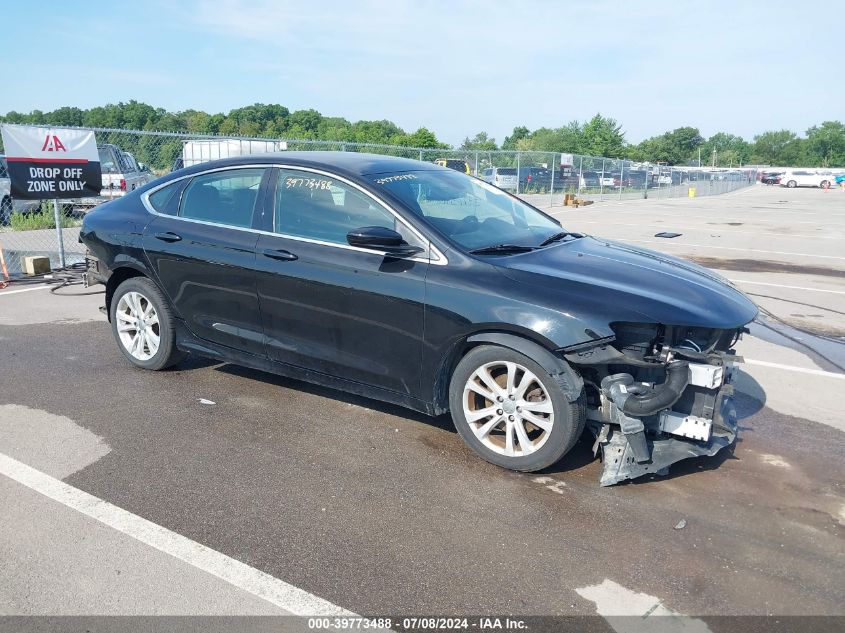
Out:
{"x": 121, "y": 172}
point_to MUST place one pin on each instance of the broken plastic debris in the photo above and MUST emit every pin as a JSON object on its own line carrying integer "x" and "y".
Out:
{"x": 204, "y": 401}
{"x": 681, "y": 524}
{"x": 667, "y": 234}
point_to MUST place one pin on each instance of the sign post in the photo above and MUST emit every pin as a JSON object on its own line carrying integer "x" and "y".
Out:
{"x": 59, "y": 237}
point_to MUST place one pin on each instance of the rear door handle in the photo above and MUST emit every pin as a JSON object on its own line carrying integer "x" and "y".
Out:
{"x": 168, "y": 237}
{"x": 285, "y": 256}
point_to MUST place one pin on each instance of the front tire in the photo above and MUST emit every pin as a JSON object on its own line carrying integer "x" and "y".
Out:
{"x": 511, "y": 412}
{"x": 791, "y": 184}
{"x": 143, "y": 325}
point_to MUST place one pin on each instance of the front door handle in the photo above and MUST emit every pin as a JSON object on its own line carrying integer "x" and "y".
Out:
{"x": 168, "y": 237}
{"x": 285, "y": 256}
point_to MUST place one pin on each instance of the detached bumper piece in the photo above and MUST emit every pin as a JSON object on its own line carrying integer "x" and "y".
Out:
{"x": 701, "y": 422}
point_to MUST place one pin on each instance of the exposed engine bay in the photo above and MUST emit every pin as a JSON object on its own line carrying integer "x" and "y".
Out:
{"x": 657, "y": 394}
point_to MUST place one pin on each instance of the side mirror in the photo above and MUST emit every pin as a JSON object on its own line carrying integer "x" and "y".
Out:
{"x": 380, "y": 238}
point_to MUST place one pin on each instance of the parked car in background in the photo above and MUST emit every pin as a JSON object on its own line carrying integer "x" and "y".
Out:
{"x": 806, "y": 178}
{"x": 534, "y": 178}
{"x": 771, "y": 177}
{"x": 502, "y": 177}
{"x": 8, "y": 205}
{"x": 454, "y": 163}
{"x": 660, "y": 179}
{"x": 589, "y": 180}
{"x": 121, "y": 174}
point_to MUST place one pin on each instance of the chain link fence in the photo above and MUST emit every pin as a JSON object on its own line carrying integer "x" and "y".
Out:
{"x": 129, "y": 159}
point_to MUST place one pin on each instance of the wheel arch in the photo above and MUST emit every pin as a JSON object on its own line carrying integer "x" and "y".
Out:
{"x": 117, "y": 277}
{"x": 523, "y": 343}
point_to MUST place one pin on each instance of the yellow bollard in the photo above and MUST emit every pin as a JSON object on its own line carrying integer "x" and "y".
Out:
{"x": 691, "y": 192}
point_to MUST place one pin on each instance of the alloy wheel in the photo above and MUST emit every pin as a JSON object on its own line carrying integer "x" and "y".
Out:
{"x": 138, "y": 325}
{"x": 508, "y": 408}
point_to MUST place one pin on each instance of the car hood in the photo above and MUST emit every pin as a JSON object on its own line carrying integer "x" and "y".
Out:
{"x": 626, "y": 279}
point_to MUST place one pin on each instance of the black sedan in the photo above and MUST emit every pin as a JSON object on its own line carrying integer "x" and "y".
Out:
{"x": 771, "y": 178}
{"x": 418, "y": 285}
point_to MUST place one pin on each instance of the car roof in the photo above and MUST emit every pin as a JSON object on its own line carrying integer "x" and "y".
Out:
{"x": 349, "y": 163}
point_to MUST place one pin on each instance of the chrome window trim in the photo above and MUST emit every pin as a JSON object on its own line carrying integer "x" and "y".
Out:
{"x": 436, "y": 257}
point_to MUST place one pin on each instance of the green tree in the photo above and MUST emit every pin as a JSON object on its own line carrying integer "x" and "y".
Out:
{"x": 375, "y": 131}
{"x": 424, "y": 137}
{"x": 305, "y": 123}
{"x": 729, "y": 150}
{"x": 678, "y": 147}
{"x": 136, "y": 115}
{"x": 825, "y": 145}
{"x": 479, "y": 142}
{"x": 199, "y": 123}
{"x": 518, "y": 133}
{"x": 65, "y": 116}
{"x": 602, "y": 136}
{"x": 780, "y": 147}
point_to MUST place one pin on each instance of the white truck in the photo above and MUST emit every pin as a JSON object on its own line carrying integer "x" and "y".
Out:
{"x": 121, "y": 172}
{"x": 196, "y": 152}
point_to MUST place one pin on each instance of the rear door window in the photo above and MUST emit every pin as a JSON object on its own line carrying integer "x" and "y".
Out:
{"x": 166, "y": 199}
{"x": 224, "y": 197}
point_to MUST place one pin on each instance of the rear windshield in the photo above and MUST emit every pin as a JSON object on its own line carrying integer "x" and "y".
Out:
{"x": 107, "y": 164}
{"x": 507, "y": 171}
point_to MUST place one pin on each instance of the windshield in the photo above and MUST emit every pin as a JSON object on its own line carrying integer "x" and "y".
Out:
{"x": 467, "y": 210}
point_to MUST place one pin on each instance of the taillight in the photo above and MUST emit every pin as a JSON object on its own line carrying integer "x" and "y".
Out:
{"x": 123, "y": 184}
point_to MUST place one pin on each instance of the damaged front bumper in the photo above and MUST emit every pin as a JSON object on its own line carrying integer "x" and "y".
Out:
{"x": 704, "y": 423}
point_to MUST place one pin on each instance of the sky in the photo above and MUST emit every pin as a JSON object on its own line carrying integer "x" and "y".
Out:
{"x": 455, "y": 67}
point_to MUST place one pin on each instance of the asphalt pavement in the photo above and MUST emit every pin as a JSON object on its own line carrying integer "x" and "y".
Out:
{"x": 378, "y": 510}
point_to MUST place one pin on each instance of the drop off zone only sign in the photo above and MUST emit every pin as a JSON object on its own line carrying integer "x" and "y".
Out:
{"x": 48, "y": 162}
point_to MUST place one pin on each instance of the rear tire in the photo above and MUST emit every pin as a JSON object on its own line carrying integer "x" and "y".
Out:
{"x": 825, "y": 184}
{"x": 791, "y": 184}
{"x": 511, "y": 412}
{"x": 143, "y": 325}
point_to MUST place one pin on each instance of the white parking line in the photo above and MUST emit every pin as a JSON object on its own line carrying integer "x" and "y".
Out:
{"x": 762, "y": 283}
{"x": 292, "y": 599}
{"x": 14, "y": 292}
{"x": 801, "y": 370}
{"x": 732, "y": 248}
{"x": 659, "y": 215}
{"x": 727, "y": 231}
